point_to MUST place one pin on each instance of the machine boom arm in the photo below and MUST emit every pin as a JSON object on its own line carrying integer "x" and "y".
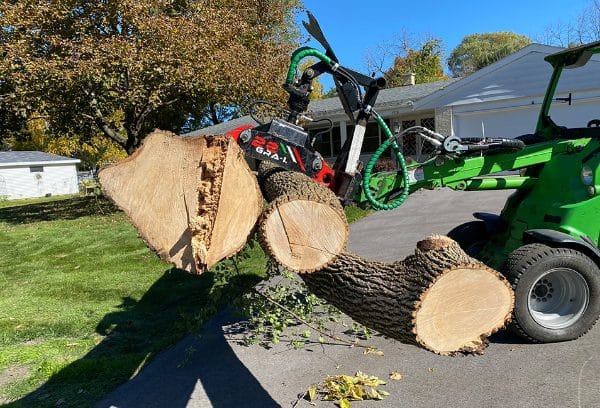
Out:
{"x": 471, "y": 173}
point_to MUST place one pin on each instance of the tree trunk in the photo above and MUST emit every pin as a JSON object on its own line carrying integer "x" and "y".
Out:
{"x": 194, "y": 201}
{"x": 439, "y": 298}
{"x": 304, "y": 227}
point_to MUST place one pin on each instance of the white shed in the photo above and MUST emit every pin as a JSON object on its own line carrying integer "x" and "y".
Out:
{"x": 36, "y": 174}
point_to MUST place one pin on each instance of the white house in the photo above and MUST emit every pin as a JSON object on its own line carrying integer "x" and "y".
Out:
{"x": 500, "y": 100}
{"x": 504, "y": 98}
{"x": 36, "y": 174}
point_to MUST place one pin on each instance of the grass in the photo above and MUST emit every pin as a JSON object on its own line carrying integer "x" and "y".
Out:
{"x": 84, "y": 304}
{"x": 354, "y": 213}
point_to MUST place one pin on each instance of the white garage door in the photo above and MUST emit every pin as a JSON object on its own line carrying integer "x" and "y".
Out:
{"x": 515, "y": 122}
{"x": 507, "y": 123}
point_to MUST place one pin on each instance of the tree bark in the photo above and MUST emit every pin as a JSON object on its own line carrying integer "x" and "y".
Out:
{"x": 438, "y": 298}
{"x": 194, "y": 201}
{"x": 304, "y": 227}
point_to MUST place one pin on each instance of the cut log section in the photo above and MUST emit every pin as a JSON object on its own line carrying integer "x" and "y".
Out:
{"x": 194, "y": 200}
{"x": 304, "y": 227}
{"x": 439, "y": 298}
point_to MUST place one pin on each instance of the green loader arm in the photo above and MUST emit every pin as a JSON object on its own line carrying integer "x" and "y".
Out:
{"x": 471, "y": 173}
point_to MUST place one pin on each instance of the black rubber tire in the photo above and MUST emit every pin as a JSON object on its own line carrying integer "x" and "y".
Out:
{"x": 471, "y": 236}
{"x": 523, "y": 269}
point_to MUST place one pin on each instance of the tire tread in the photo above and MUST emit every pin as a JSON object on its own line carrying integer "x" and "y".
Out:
{"x": 523, "y": 258}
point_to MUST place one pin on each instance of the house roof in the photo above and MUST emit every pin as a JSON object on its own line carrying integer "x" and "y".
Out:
{"x": 522, "y": 74}
{"x": 392, "y": 97}
{"x": 387, "y": 97}
{"x": 27, "y": 158}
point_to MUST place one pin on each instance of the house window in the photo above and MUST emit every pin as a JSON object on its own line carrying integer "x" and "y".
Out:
{"x": 36, "y": 169}
{"x": 328, "y": 141}
{"x": 428, "y": 123}
{"x": 408, "y": 124}
{"x": 415, "y": 148}
{"x": 374, "y": 137}
{"x": 371, "y": 140}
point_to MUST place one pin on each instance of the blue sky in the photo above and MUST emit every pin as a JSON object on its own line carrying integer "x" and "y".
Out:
{"x": 352, "y": 27}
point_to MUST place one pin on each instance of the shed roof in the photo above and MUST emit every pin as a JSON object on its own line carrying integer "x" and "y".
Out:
{"x": 23, "y": 158}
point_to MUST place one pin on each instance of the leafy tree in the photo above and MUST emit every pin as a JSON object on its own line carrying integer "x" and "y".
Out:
{"x": 425, "y": 62}
{"x": 479, "y": 50}
{"x": 405, "y": 55}
{"x": 11, "y": 123}
{"x": 331, "y": 93}
{"x": 128, "y": 66}
{"x": 93, "y": 151}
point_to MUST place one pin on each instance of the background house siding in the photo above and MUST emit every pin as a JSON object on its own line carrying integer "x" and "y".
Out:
{"x": 55, "y": 179}
{"x": 521, "y": 116}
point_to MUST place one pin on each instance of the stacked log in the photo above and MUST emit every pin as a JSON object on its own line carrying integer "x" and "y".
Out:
{"x": 439, "y": 298}
{"x": 304, "y": 226}
{"x": 195, "y": 201}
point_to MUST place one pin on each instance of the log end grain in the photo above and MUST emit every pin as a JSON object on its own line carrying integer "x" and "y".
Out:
{"x": 461, "y": 308}
{"x": 303, "y": 234}
{"x": 194, "y": 200}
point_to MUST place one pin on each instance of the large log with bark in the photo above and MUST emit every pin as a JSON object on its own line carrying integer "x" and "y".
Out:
{"x": 439, "y": 298}
{"x": 194, "y": 200}
{"x": 304, "y": 226}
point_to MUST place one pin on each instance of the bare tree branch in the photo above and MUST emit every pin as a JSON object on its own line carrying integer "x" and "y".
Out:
{"x": 101, "y": 122}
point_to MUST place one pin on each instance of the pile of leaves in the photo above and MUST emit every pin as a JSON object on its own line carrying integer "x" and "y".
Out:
{"x": 345, "y": 388}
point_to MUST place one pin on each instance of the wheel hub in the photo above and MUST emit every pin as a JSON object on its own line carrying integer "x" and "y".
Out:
{"x": 558, "y": 298}
{"x": 542, "y": 291}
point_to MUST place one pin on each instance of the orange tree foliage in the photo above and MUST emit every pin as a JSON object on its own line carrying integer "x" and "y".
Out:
{"x": 156, "y": 61}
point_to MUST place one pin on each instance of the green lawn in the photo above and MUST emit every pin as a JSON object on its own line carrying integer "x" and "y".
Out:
{"x": 84, "y": 304}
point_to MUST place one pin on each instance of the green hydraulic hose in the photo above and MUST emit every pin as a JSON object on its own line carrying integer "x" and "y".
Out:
{"x": 301, "y": 53}
{"x": 390, "y": 141}
{"x": 304, "y": 52}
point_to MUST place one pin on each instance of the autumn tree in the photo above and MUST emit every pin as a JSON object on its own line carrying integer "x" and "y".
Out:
{"x": 476, "y": 51}
{"x": 330, "y": 93}
{"x": 422, "y": 58}
{"x": 94, "y": 151}
{"x": 425, "y": 62}
{"x": 128, "y": 66}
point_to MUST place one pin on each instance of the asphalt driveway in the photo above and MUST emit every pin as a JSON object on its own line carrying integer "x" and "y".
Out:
{"x": 212, "y": 370}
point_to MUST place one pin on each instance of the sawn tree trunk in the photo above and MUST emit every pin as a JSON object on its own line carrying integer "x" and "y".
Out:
{"x": 304, "y": 226}
{"x": 194, "y": 200}
{"x": 439, "y": 298}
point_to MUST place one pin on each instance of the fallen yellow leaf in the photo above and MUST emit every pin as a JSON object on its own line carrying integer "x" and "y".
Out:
{"x": 372, "y": 350}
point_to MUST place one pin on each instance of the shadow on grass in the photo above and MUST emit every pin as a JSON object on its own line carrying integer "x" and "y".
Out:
{"x": 68, "y": 209}
{"x": 175, "y": 305}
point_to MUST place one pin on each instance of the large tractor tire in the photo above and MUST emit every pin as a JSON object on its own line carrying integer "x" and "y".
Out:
{"x": 557, "y": 292}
